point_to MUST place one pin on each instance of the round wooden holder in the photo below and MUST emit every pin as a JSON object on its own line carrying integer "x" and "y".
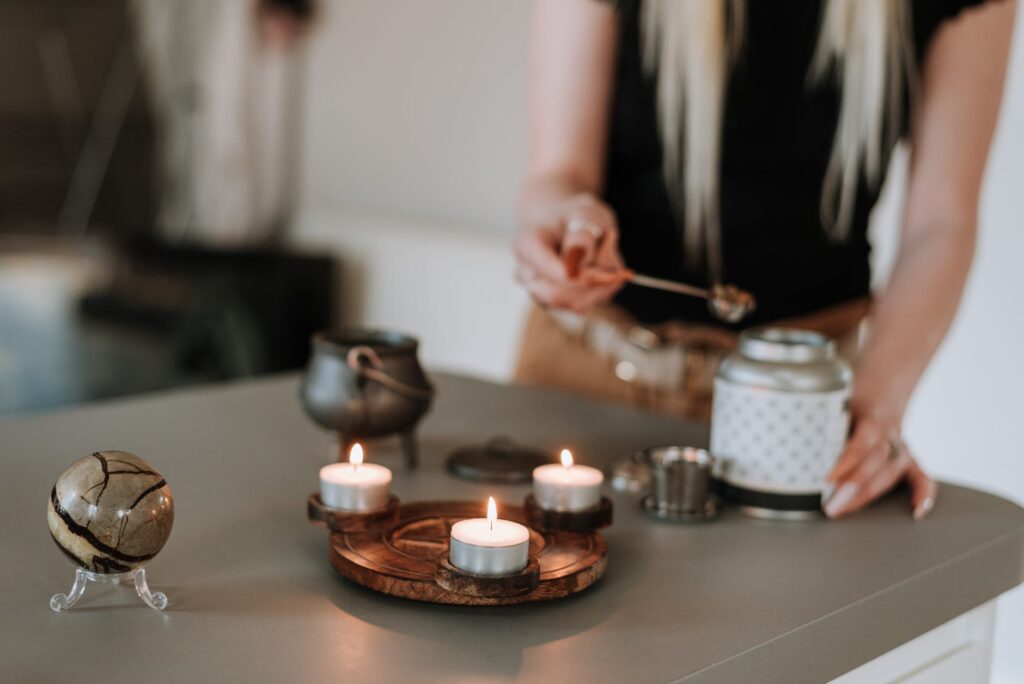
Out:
{"x": 453, "y": 579}
{"x": 547, "y": 520}
{"x": 409, "y": 559}
{"x": 339, "y": 520}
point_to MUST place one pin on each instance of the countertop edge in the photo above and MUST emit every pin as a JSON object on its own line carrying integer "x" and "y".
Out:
{"x": 856, "y": 634}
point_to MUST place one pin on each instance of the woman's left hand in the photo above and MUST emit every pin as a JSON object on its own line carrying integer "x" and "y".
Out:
{"x": 874, "y": 461}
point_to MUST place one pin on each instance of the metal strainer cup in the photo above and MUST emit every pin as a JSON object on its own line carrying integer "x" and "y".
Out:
{"x": 680, "y": 479}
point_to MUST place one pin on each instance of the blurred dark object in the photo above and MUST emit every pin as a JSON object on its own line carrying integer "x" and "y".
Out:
{"x": 72, "y": 106}
{"x": 300, "y": 9}
{"x": 91, "y": 304}
{"x": 231, "y": 313}
{"x": 284, "y": 22}
{"x": 499, "y": 460}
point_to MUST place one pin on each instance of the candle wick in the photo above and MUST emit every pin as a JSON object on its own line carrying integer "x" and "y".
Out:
{"x": 490, "y": 522}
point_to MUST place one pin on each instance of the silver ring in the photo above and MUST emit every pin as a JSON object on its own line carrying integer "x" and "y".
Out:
{"x": 577, "y": 224}
{"x": 895, "y": 448}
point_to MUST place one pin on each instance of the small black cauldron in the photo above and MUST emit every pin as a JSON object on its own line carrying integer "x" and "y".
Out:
{"x": 365, "y": 384}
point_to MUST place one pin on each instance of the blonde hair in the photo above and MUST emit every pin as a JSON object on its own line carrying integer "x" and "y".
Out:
{"x": 691, "y": 44}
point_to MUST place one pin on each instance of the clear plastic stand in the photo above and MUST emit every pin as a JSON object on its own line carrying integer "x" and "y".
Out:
{"x": 156, "y": 600}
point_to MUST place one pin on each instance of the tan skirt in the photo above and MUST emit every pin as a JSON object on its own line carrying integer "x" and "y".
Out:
{"x": 554, "y": 354}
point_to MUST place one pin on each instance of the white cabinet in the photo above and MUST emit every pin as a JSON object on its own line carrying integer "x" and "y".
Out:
{"x": 958, "y": 652}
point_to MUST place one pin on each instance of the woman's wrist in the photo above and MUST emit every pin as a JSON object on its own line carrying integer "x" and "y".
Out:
{"x": 552, "y": 203}
{"x": 886, "y": 413}
{"x": 879, "y": 390}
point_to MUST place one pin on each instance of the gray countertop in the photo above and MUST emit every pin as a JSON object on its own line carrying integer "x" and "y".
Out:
{"x": 253, "y": 598}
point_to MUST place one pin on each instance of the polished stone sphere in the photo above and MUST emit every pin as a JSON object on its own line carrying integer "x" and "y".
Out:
{"x": 110, "y": 512}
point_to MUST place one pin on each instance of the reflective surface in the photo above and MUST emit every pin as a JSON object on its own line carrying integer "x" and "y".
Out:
{"x": 253, "y": 598}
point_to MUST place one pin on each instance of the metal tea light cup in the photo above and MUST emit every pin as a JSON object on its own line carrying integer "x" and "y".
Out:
{"x": 680, "y": 480}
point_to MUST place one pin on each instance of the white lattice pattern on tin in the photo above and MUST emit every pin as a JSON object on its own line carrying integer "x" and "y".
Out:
{"x": 782, "y": 442}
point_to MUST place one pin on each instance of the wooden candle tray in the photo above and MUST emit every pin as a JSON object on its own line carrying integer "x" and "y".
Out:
{"x": 338, "y": 520}
{"x": 409, "y": 559}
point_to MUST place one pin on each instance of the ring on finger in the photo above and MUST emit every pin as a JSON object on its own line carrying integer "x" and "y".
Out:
{"x": 896, "y": 447}
{"x": 578, "y": 224}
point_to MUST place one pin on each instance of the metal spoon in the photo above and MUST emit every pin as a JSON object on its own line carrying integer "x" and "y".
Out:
{"x": 725, "y": 302}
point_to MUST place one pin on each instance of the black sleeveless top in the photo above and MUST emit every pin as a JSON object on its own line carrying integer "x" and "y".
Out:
{"x": 776, "y": 140}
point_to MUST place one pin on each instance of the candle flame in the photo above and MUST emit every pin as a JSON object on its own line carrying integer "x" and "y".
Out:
{"x": 566, "y": 458}
{"x": 492, "y": 511}
{"x": 355, "y": 455}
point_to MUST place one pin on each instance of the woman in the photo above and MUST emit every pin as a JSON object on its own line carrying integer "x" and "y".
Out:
{"x": 731, "y": 141}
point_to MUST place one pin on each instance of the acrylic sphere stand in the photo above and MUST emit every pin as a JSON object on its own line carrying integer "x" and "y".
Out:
{"x": 157, "y": 600}
{"x": 403, "y": 551}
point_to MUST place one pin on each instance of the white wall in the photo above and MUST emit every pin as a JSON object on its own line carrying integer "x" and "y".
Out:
{"x": 417, "y": 108}
{"x": 450, "y": 286}
{"x": 414, "y": 144}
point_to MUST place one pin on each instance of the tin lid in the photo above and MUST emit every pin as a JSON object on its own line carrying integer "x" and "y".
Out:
{"x": 499, "y": 460}
{"x": 786, "y": 345}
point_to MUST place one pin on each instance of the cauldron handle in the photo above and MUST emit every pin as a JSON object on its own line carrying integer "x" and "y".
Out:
{"x": 367, "y": 364}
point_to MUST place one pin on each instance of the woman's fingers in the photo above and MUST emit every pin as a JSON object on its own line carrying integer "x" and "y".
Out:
{"x": 866, "y": 436}
{"x": 591, "y": 238}
{"x": 608, "y": 256}
{"x": 573, "y": 258}
{"x": 575, "y": 266}
{"x": 574, "y": 262}
{"x": 857, "y": 485}
{"x": 550, "y": 294}
{"x": 864, "y": 486}
{"x": 596, "y": 277}
{"x": 580, "y": 246}
{"x": 923, "y": 490}
{"x": 598, "y": 295}
{"x": 539, "y": 250}
{"x": 575, "y": 298}
{"x": 871, "y": 464}
{"x": 578, "y": 297}
{"x": 608, "y": 268}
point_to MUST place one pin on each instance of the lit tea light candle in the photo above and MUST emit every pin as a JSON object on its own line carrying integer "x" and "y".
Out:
{"x": 355, "y": 486}
{"x": 567, "y": 487}
{"x": 488, "y": 546}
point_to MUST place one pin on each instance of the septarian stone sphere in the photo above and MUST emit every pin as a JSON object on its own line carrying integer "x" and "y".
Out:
{"x": 110, "y": 512}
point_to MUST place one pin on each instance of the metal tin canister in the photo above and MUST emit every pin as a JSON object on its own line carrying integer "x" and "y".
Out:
{"x": 780, "y": 420}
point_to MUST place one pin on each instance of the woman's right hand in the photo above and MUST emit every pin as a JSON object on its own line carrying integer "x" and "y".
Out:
{"x": 570, "y": 259}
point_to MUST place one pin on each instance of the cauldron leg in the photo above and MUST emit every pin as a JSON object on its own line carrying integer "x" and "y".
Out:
{"x": 410, "y": 449}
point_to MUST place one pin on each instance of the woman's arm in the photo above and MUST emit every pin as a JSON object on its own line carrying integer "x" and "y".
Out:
{"x": 961, "y": 91}
{"x": 572, "y": 56}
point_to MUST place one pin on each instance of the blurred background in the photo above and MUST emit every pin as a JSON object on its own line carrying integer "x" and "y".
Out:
{"x": 189, "y": 188}
{"x": 148, "y": 177}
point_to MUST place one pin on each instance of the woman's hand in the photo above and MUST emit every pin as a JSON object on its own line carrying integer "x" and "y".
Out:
{"x": 874, "y": 461}
{"x": 571, "y": 259}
